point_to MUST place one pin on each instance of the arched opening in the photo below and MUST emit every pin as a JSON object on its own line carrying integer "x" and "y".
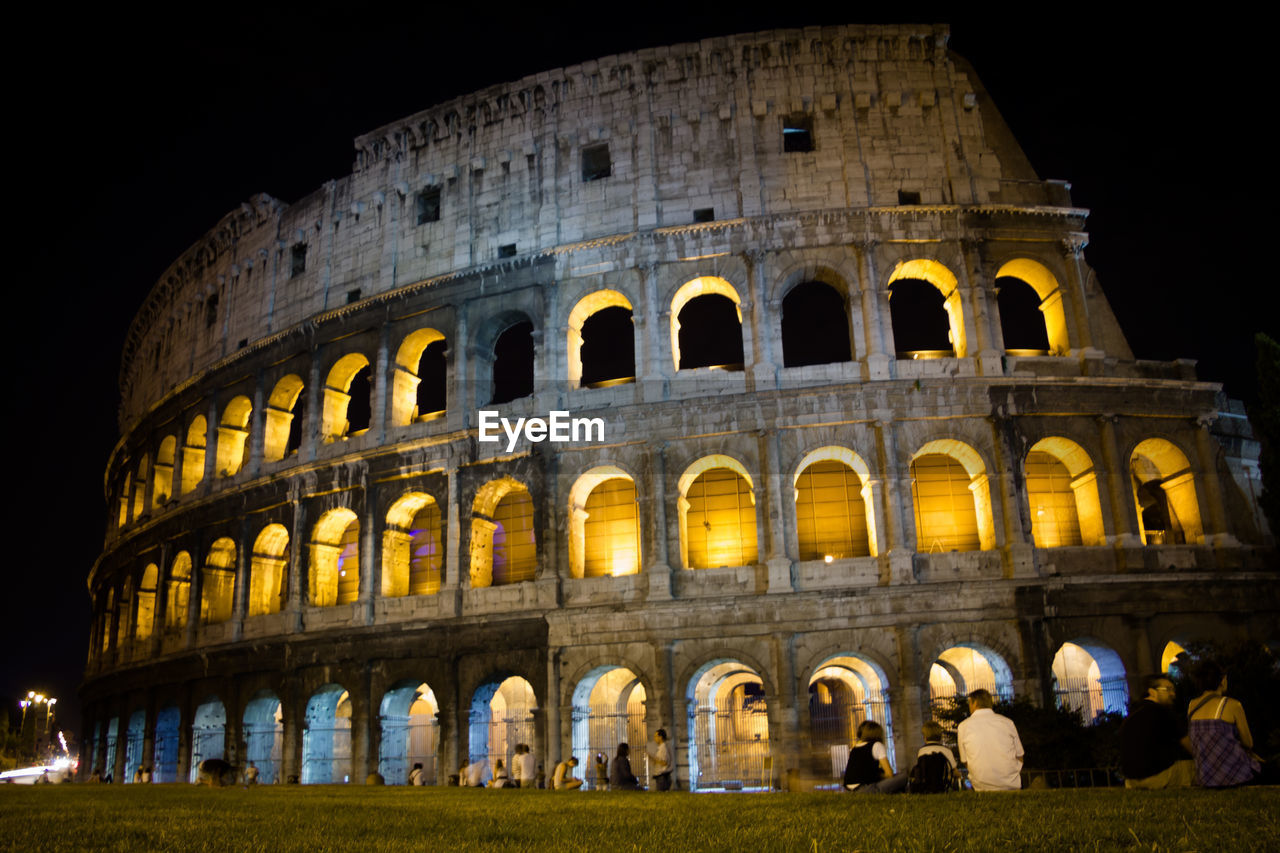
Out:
{"x": 717, "y": 514}
{"x": 334, "y": 576}
{"x": 1164, "y": 491}
{"x": 208, "y": 734}
{"x": 1050, "y": 319}
{"x": 501, "y": 717}
{"x": 952, "y": 498}
{"x": 267, "y": 571}
{"x": 609, "y": 709}
{"x": 326, "y": 737}
{"x": 1062, "y": 491}
{"x": 604, "y": 524}
{"x": 410, "y": 733}
{"x": 728, "y": 729}
{"x": 123, "y": 606}
{"x": 178, "y": 592}
{"x": 133, "y": 737}
{"x": 925, "y": 311}
{"x": 513, "y": 363}
{"x": 412, "y": 554}
{"x": 218, "y": 582}
{"x": 835, "y": 516}
{"x": 285, "y": 415}
{"x": 162, "y": 488}
{"x": 146, "y": 603}
{"x": 1175, "y": 660}
{"x": 233, "y": 432}
{"x": 708, "y": 334}
{"x": 844, "y": 692}
{"x": 347, "y": 408}
{"x": 419, "y": 384}
{"x": 168, "y": 720}
{"x": 601, "y": 341}
{"x": 193, "y": 453}
{"x": 503, "y": 545}
{"x": 961, "y": 669}
{"x": 113, "y": 736}
{"x": 140, "y": 487}
{"x": 815, "y": 326}
{"x": 1089, "y": 679}
{"x": 1021, "y": 323}
{"x": 264, "y": 735}
{"x": 123, "y": 490}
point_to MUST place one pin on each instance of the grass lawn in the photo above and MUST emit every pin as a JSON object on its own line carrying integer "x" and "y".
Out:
{"x": 314, "y": 819}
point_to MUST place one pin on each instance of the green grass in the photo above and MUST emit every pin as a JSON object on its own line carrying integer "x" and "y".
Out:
{"x": 317, "y": 819}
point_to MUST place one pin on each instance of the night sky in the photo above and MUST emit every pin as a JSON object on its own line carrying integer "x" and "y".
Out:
{"x": 130, "y": 138}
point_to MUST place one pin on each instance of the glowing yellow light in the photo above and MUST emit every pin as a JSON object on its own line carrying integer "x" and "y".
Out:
{"x": 828, "y": 558}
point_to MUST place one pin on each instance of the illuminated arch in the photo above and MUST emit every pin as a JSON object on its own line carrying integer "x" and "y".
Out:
{"x": 405, "y": 379}
{"x": 178, "y": 592}
{"x": 962, "y": 668}
{"x": 945, "y": 281}
{"x": 503, "y": 543}
{"x": 502, "y": 715}
{"x": 1089, "y": 679}
{"x": 728, "y": 727}
{"x": 218, "y": 582}
{"x": 232, "y": 435}
{"x": 947, "y": 519}
{"x": 334, "y": 423}
{"x": 268, "y": 569}
{"x": 589, "y": 305}
{"x": 410, "y": 732}
{"x": 702, "y": 286}
{"x": 411, "y": 547}
{"x": 326, "y": 739}
{"x": 208, "y": 733}
{"x": 1062, "y": 490}
{"x": 828, "y": 524}
{"x": 1047, "y": 288}
{"x": 122, "y": 498}
{"x": 844, "y": 691}
{"x": 283, "y": 419}
{"x": 609, "y": 709}
{"x": 334, "y": 567}
{"x": 1164, "y": 492}
{"x": 140, "y": 487}
{"x": 604, "y": 524}
{"x": 146, "y": 603}
{"x": 193, "y": 453}
{"x": 162, "y": 488}
{"x": 264, "y": 735}
{"x": 717, "y": 514}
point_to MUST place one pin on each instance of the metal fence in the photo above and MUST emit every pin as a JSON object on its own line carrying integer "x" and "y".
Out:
{"x": 1090, "y": 697}
{"x": 731, "y": 748}
{"x": 598, "y": 733}
{"x": 206, "y": 742}
{"x": 326, "y": 753}
{"x": 833, "y": 727}
{"x": 265, "y": 748}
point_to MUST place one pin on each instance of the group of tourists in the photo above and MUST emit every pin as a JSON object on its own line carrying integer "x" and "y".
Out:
{"x": 1213, "y": 750}
{"x": 526, "y": 773}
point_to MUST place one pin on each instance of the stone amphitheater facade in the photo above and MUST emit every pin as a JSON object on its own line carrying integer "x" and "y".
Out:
{"x": 802, "y": 506}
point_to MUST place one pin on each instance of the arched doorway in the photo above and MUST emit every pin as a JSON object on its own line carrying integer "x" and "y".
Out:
{"x": 961, "y": 669}
{"x": 609, "y": 709}
{"x": 728, "y": 729}
{"x": 208, "y": 734}
{"x": 410, "y": 732}
{"x": 1089, "y": 678}
{"x": 166, "y": 756}
{"x": 264, "y": 735}
{"x": 501, "y": 717}
{"x": 134, "y": 735}
{"x": 326, "y": 740}
{"x": 844, "y": 691}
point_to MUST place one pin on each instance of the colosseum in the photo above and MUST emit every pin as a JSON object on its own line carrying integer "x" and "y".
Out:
{"x": 746, "y": 388}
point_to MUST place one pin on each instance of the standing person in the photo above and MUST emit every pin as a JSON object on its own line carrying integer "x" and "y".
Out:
{"x": 620, "y": 776}
{"x": 990, "y": 746}
{"x": 1219, "y": 733}
{"x": 1153, "y": 753}
{"x": 517, "y": 766}
{"x": 417, "y": 776}
{"x": 528, "y": 769}
{"x": 662, "y": 761}
{"x": 868, "y": 770}
{"x": 251, "y": 774}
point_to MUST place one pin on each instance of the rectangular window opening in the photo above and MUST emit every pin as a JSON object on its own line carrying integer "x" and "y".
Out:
{"x": 428, "y": 204}
{"x": 908, "y": 197}
{"x": 507, "y": 250}
{"x": 797, "y": 133}
{"x": 596, "y": 163}
{"x": 353, "y": 296}
{"x": 704, "y": 214}
{"x": 298, "y": 264}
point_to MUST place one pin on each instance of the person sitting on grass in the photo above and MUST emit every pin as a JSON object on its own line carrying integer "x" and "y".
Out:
{"x": 935, "y": 769}
{"x": 1219, "y": 733}
{"x": 417, "y": 776}
{"x": 500, "y": 778}
{"x": 477, "y": 774}
{"x": 1153, "y": 753}
{"x": 620, "y": 776}
{"x": 989, "y": 746}
{"x": 868, "y": 770}
{"x": 562, "y": 779}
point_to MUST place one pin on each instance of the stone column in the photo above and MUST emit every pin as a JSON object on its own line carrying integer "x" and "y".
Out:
{"x": 762, "y": 366}
{"x": 785, "y": 736}
{"x": 1217, "y": 531}
{"x": 297, "y": 595}
{"x": 240, "y": 588}
{"x": 988, "y": 342}
{"x": 458, "y": 403}
{"x": 907, "y": 698}
{"x": 876, "y": 318}
{"x": 310, "y": 441}
{"x": 899, "y": 541}
{"x": 1124, "y": 518}
{"x": 657, "y": 566}
{"x": 451, "y": 583}
{"x": 653, "y": 363}
{"x": 257, "y": 430}
{"x": 210, "y": 446}
{"x": 148, "y": 756}
{"x": 363, "y": 760}
{"x": 291, "y": 723}
{"x": 383, "y": 384}
{"x": 370, "y": 555}
{"x": 195, "y": 589}
{"x": 776, "y": 558}
{"x": 552, "y": 704}
{"x": 1077, "y": 304}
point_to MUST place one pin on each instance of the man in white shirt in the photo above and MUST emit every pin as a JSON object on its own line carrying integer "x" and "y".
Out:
{"x": 528, "y": 768}
{"x": 990, "y": 746}
{"x": 662, "y": 765}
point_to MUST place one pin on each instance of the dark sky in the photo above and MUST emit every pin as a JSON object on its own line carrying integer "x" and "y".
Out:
{"x": 130, "y": 137}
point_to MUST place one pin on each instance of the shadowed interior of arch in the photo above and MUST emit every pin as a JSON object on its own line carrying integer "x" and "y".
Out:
{"x": 710, "y": 333}
{"x": 728, "y": 728}
{"x": 513, "y": 363}
{"x": 815, "y": 326}
{"x": 921, "y": 327}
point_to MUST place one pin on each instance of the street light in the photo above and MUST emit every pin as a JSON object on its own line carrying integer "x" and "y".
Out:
{"x": 48, "y": 712}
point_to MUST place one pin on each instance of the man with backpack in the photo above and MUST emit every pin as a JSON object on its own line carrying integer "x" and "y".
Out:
{"x": 935, "y": 768}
